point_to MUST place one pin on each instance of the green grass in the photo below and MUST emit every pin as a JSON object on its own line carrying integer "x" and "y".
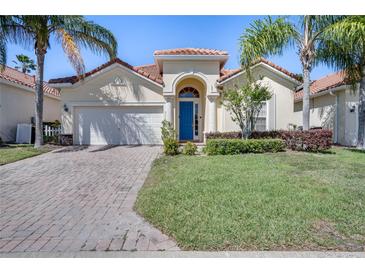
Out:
{"x": 283, "y": 201}
{"x": 12, "y": 153}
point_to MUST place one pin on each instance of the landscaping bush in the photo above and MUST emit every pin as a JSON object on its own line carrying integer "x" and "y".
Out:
{"x": 223, "y": 135}
{"x": 273, "y": 134}
{"x": 239, "y": 146}
{"x": 170, "y": 146}
{"x": 50, "y": 140}
{"x": 168, "y": 134}
{"x": 190, "y": 148}
{"x": 310, "y": 140}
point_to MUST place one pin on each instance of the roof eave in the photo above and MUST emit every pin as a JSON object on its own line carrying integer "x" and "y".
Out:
{"x": 325, "y": 91}
{"x": 21, "y": 86}
{"x": 108, "y": 68}
{"x": 295, "y": 81}
{"x": 192, "y": 57}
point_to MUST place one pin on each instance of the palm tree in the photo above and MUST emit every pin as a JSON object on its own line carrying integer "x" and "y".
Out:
{"x": 344, "y": 49}
{"x": 71, "y": 31}
{"x": 24, "y": 63}
{"x": 271, "y": 37}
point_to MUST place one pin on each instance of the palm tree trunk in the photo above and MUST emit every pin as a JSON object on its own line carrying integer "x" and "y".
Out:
{"x": 361, "y": 111}
{"x": 306, "y": 92}
{"x": 40, "y": 53}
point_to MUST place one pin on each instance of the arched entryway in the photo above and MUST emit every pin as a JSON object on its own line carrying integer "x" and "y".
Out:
{"x": 189, "y": 107}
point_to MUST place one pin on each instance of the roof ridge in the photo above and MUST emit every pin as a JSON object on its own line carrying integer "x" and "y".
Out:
{"x": 137, "y": 69}
{"x": 19, "y": 72}
{"x": 233, "y": 72}
{"x": 190, "y": 51}
{"x": 143, "y": 66}
{"x": 18, "y": 77}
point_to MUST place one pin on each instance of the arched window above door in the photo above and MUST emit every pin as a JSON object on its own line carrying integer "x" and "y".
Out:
{"x": 189, "y": 92}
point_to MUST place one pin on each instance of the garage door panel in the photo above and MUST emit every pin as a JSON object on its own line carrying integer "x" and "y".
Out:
{"x": 118, "y": 125}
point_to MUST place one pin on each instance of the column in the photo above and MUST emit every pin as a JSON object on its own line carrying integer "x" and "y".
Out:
{"x": 168, "y": 109}
{"x": 212, "y": 110}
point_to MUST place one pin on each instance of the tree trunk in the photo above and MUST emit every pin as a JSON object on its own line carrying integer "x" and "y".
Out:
{"x": 40, "y": 53}
{"x": 306, "y": 93}
{"x": 361, "y": 112}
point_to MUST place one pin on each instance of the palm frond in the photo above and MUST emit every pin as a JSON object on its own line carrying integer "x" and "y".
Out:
{"x": 266, "y": 37}
{"x": 91, "y": 36}
{"x": 14, "y": 31}
{"x": 343, "y": 47}
{"x": 72, "y": 50}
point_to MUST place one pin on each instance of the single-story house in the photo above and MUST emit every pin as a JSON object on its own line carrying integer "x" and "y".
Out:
{"x": 334, "y": 105}
{"x": 118, "y": 103}
{"x": 17, "y": 96}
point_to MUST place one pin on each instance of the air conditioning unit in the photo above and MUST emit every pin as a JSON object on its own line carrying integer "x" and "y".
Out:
{"x": 24, "y": 134}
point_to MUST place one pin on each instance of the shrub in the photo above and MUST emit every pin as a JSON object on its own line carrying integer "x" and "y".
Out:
{"x": 167, "y": 131}
{"x": 170, "y": 146}
{"x": 50, "y": 139}
{"x": 1, "y": 141}
{"x": 272, "y": 134}
{"x": 310, "y": 140}
{"x": 190, "y": 148}
{"x": 223, "y": 135}
{"x": 168, "y": 134}
{"x": 55, "y": 123}
{"x": 239, "y": 146}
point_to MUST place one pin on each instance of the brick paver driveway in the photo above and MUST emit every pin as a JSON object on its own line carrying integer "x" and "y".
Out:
{"x": 75, "y": 199}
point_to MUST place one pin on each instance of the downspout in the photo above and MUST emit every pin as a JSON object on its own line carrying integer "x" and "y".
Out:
{"x": 274, "y": 111}
{"x": 333, "y": 93}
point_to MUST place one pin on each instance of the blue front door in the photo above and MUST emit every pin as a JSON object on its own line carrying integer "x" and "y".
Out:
{"x": 186, "y": 121}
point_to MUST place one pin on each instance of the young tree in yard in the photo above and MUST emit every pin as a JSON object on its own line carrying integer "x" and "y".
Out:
{"x": 245, "y": 103}
{"x": 24, "y": 63}
{"x": 72, "y": 32}
{"x": 270, "y": 37}
{"x": 344, "y": 49}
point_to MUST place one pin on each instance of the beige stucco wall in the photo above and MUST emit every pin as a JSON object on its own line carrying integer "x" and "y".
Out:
{"x": 176, "y": 72}
{"x": 321, "y": 111}
{"x": 323, "y": 114}
{"x": 200, "y": 86}
{"x": 280, "y": 107}
{"x": 17, "y": 106}
{"x": 100, "y": 90}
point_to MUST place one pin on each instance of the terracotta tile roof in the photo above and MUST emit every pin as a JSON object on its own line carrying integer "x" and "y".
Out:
{"x": 330, "y": 81}
{"x": 225, "y": 74}
{"x": 228, "y": 73}
{"x": 148, "y": 71}
{"x": 152, "y": 71}
{"x": 190, "y": 51}
{"x": 17, "y": 77}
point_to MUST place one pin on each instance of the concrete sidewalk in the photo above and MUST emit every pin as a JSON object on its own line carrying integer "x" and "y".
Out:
{"x": 186, "y": 254}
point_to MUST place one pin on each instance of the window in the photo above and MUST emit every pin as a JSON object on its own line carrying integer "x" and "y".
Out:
{"x": 261, "y": 119}
{"x": 189, "y": 92}
{"x": 196, "y": 120}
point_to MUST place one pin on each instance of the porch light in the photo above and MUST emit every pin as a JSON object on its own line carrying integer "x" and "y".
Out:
{"x": 65, "y": 108}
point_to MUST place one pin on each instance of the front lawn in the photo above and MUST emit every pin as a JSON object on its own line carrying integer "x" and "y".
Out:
{"x": 283, "y": 201}
{"x": 12, "y": 153}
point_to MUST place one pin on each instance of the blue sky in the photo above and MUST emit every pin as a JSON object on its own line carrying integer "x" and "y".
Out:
{"x": 139, "y": 36}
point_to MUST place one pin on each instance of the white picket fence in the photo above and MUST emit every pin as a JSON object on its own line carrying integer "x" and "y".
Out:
{"x": 51, "y": 131}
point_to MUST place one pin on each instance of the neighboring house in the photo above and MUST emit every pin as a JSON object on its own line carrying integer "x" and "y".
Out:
{"x": 334, "y": 105}
{"x": 118, "y": 103}
{"x": 17, "y": 97}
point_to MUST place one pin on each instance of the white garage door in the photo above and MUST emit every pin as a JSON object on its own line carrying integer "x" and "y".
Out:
{"x": 118, "y": 125}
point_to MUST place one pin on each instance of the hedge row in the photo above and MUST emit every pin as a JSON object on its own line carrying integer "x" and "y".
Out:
{"x": 309, "y": 140}
{"x": 239, "y": 146}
